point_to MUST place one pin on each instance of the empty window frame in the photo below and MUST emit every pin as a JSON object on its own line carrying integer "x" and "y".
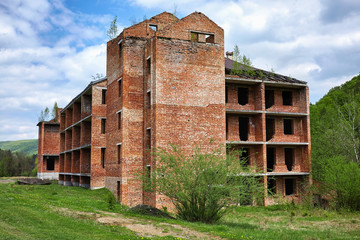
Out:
{"x": 271, "y": 186}
{"x": 148, "y": 65}
{"x": 227, "y": 128}
{"x": 289, "y": 158}
{"x": 209, "y": 38}
{"x": 148, "y": 139}
{"x": 245, "y": 157}
{"x": 288, "y": 126}
{"x": 119, "y": 153}
{"x": 118, "y": 191}
{"x": 103, "y": 126}
{"x": 148, "y": 99}
{"x": 269, "y": 98}
{"x": 50, "y": 164}
{"x": 270, "y": 128}
{"x": 153, "y": 27}
{"x": 244, "y": 128}
{"x": 119, "y": 86}
{"x": 103, "y": 157}
{"x": 226, "y": 94}
{"x": 103, "y": 96}
{"x": 194, "y": 37}
{"x": 148, "y": 171}
{"x": 287, "y": 98}
{"x": 243, "y": 96}
{"x": 290, "y": 186}
{"x": 270, "y": 159}
{"x": 119, "y": 120}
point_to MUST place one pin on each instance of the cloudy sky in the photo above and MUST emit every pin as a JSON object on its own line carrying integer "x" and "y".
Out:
{"x": 50, "y": 49}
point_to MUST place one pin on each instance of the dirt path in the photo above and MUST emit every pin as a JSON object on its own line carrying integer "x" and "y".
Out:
{"x": 143, "y": 228}
{"x": 7, "y": 180}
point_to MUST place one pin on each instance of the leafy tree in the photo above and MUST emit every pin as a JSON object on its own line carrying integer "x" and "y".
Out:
{"x": 241, "y": 63}
{"x": 112, "y": 32}
{"x": 15, "y": 164}
{"x": 45, "y": 114}
{"x": 204, "y": 185}
{"x": 54, "y": 111}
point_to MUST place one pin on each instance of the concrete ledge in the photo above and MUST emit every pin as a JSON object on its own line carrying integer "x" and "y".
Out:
{"x": 244, "y": 143}
{"x": 84, "y": 185}
{"x": 48, "y": 175}
{"x": 94, "y": 188}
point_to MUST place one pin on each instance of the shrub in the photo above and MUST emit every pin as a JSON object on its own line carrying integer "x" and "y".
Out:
{"x": 202, "y": 186}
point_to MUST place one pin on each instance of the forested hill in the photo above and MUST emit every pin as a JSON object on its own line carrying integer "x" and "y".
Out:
{"x": 29, "y": 147}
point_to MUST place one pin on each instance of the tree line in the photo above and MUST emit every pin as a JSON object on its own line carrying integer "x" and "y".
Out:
{"x": 17, "y": 164}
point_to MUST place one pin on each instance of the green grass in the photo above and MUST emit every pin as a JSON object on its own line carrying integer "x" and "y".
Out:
{"x": 32, "y": 212}
{"x": 29, "y": 147}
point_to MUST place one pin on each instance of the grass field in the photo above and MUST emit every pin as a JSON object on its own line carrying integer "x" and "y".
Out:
{"x": 57, "y": 212}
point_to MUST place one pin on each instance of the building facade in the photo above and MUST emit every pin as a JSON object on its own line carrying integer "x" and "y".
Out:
{"x": 169, "y": 82}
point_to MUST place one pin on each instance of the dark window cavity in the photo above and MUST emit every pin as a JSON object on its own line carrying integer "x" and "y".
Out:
{"x": 50, "y": 163}
{"x": 269, "y": 98}
{"x": 270, "y": 159}
{"x": 287, "y": 98}
{"x": 103, "y": 96}
{"x": 289, "y": 158}
{"x": 103, "y": 157}
{"x": 289, "y": 186}
{"x": 245, "y": 157}
{"x": 288, "y": 126}
{"x": 270, "y": 128}
{"x": 243, "y": 128}
{"x": 271, "y": 186}
{"x": 103, "y": 126}
{"x": 243, "y": 96}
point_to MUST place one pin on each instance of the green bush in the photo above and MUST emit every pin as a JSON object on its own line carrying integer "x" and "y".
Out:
{"x": 202, "y": 185}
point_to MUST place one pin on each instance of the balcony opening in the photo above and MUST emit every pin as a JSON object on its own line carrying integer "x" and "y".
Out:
{"x": 269, "y": 98}
{"x": 120, "y": 48}
{"x": 103, "y": 96}
{"x": 271, "y": 186}
{"x": 103, "y": 157}
{"x": 243, "y": 96}
{"x": 289, "y": 158}
{"x": 209, "y": 38}
{"x": 244, "y": 128}
{"x": 245, "y": 157}
{"x": 227, "y": 128}
{"x": 287, "y": 98}
{"x": 103, "y": 126}
{"x": 50, "y": 164}
{"x": 270, "y": 128}
{"x": 270, "y": 159}
{"x": 288, "y": 127}
{"x": 290, "y": 186}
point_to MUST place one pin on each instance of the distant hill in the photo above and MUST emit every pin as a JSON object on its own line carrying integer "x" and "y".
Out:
{"x": 30, "y": 146}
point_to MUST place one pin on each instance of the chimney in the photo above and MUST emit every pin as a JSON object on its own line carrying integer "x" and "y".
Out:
{"x": 230, "y": 55}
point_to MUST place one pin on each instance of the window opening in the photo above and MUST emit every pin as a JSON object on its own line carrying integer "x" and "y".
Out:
{"x": 50, "y": 163}
{"x": 148, "y": 65}
{"x": 209, "y": 38}
{"x": 153, "y": 27}
{"x": 119, "y": 120}
{"x": 245, "y": 157}
{"x": 269, "y": 98}
{"x": 148, "y": 139}
{"x": 118, "y": 191}
{"x": 148, "y": 95}
{"x": 119, "y": 87}
{"x": 120, "y": 48}
{"x": 288, "y": 126}
{"x": 289, "y": 186}
{"x": 287, "y": 98}
{"x": 270, "y": 159}
{"x": 226, "y": 94}
{"x": 227, "y": 128}
{"x": 289, "y": 158}
{"x": 194, "y": 37}
{"x": 270, "y": 128}
{"x": 119, "y": 153}
{"x": 271, "y": 186}
{"x": 103, "y": 96}
{"x": 243, "y": 128}
{"x": 103, "y": 157}
{"x": 243, "y": 96}
{"x": 103, "y": 126}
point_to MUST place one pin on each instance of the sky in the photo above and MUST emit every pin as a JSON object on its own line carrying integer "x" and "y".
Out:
{"x": 51, "y": 49}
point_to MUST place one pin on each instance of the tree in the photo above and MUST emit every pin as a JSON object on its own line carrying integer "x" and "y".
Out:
{"x": 45, "y": 114}
{"x": 241, "y": 63}
{"x": 54, "y": 111}
{"x": 204, "y": 185}
{"x": 112, "y": 32}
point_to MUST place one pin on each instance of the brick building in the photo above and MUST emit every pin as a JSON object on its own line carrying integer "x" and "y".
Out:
{"x": 169, "y": 82}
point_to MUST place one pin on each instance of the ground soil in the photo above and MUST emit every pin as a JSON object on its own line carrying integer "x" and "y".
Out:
{"x": 142, "y": 227}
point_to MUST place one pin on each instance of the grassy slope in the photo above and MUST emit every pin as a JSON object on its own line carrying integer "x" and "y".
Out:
{"x": 30, "y": 147}
{"x": 28, "y": 212}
